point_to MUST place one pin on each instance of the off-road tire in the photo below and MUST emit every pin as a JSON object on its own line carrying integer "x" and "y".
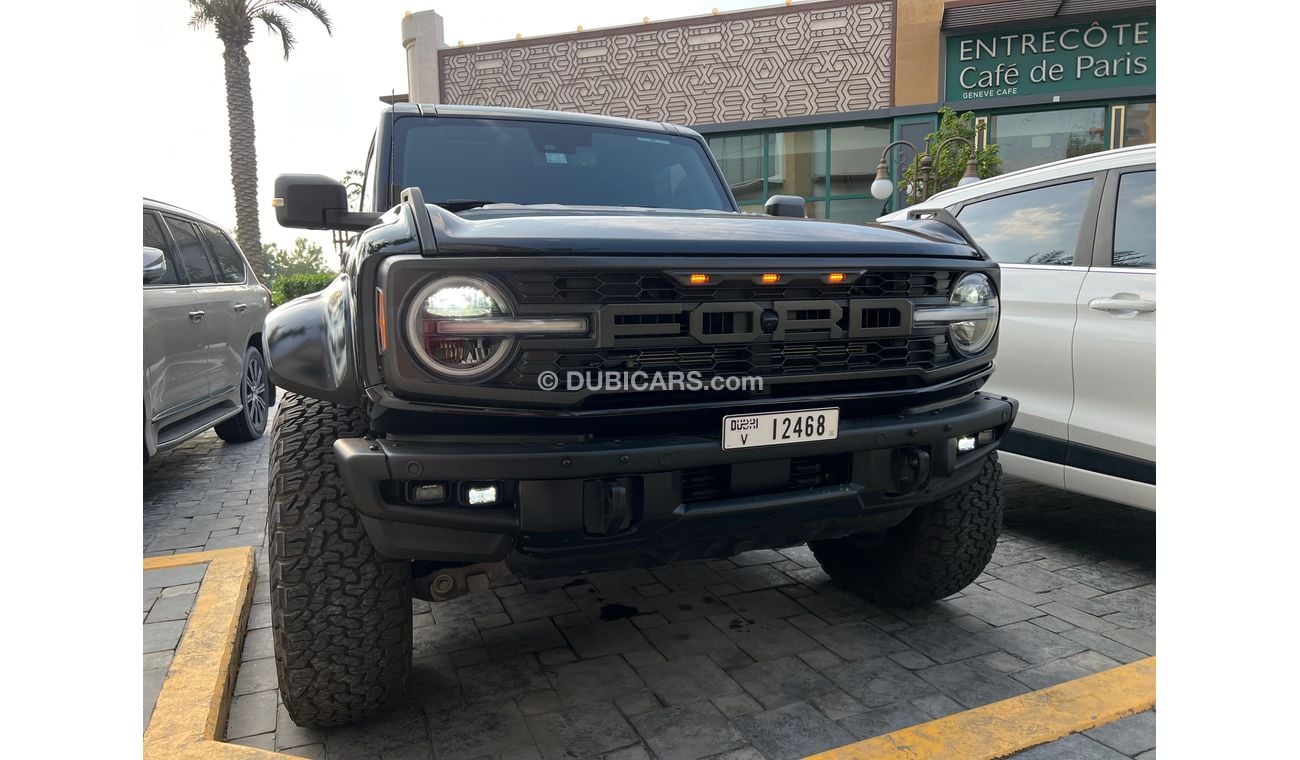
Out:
{"x": 937, "y": 551}
{"x": 250, "y": 423}
{"x": 340, "y": 612}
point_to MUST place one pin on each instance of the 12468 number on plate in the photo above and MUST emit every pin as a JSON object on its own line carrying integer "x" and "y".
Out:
{"x": 743, "y": 431}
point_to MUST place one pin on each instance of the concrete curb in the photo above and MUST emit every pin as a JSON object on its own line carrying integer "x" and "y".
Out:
{"x": 189, "y": 717}
{"x": 1012, "y": 725}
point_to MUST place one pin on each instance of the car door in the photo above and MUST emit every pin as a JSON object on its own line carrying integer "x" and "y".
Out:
{"x": 229, "y": 316}
{"x": 1040, "y": 236}
{"x": 202, "y": 277}
{"x": 1113, "y": 425}
{"x": 175, "y": 370}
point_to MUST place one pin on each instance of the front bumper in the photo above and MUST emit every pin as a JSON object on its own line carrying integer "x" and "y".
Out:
{"x": 559, "y": 516}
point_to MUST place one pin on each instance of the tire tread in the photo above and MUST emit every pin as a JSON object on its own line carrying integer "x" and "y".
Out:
{"x": 340, "y": 612}
{"x": 941, "y": 548}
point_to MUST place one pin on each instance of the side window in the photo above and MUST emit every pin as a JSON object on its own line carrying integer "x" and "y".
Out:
{"x": 230, "y": 265}
{"x": 1039, "y": 226}
{"x": 195, "y": 260}
{"x": 154, "y": 238}
{"x": 1135, "y": 221}
{"x": 369, "y": 176}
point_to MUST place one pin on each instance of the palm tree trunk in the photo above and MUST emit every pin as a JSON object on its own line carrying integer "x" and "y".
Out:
{"x": 243, "y": 153}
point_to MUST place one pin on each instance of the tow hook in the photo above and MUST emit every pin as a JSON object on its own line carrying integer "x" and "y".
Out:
{"x": 911, "y": 470}
{"x": 450, "y": 582}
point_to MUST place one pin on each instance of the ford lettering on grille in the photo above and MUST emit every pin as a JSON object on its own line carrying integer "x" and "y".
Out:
{"x": 746, "y": 322}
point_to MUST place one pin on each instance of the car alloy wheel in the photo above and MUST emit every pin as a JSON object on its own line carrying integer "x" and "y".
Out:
{"x": 255, "y": 392}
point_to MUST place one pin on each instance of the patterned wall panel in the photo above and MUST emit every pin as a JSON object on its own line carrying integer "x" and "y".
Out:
{"x": 795, "y": 61}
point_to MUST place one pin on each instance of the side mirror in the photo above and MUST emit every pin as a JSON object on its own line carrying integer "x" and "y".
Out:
{"x": 785, "y": 205}
{"x": 316, "y": 202}
{"x": 155, "y": 264}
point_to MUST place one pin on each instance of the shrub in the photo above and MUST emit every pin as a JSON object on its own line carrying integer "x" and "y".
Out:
{"x": 290, "y": 286}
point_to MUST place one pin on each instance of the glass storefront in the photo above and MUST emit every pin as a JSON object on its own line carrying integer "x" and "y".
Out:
{"x": 1040, "y": 137}
{"x": 854, "y": 152}
{"x": 741, "y": 159}
{"x": 1139, "y": 124}
{"x": 830, "y": 168}
{"x": 792, "y": 160}
{"x": 1033, "y": 138}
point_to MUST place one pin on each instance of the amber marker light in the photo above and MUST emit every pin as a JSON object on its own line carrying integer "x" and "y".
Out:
{"x": 699, "y": 279}
{"x": 381, "y": 320}
{"x": 835, "y": 277}
{"x": 770, "y": 278}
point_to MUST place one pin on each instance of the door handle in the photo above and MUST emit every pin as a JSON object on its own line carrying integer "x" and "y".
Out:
{"x": 1122, "y": 304}
{"x": 196, "y": 316}
{"x": 240, "y": 307}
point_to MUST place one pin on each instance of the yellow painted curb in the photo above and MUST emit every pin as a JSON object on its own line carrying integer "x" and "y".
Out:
{"x": 189, "y": 717}
{"x": 1003, "y": 728}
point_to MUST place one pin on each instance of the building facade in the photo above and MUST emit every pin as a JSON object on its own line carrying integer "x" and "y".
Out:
{"x": 802, "y": 98}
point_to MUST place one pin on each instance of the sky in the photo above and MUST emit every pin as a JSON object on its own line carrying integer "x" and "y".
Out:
{"x": 315, "y": 112}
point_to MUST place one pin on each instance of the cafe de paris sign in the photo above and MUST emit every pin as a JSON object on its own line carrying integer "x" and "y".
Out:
{"x": 1083, "y": 56}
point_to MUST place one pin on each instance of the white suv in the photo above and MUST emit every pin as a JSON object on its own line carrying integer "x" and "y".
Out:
{"x": 1076, "y": 241}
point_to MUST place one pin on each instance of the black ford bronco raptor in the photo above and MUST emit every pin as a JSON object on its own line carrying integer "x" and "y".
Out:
{"x": 515, "y": 374}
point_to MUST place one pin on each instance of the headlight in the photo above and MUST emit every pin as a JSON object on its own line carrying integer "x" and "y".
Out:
{"x": 974, "y": 294}
{"x": 430, "y": 327}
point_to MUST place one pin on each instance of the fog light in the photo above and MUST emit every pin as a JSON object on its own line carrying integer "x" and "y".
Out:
{"x": 966, "y": 443}
{"x": 427, "y": 493}
{"x": 480, "y": 495}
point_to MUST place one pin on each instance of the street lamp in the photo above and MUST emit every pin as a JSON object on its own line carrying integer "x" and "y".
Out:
{"x": 923, "y": 172}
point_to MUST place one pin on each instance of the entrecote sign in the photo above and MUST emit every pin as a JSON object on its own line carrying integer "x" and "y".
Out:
{"x": 1050, "y": 60}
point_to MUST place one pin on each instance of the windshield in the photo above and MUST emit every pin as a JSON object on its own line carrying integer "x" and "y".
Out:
{"x": 514, "y": 161}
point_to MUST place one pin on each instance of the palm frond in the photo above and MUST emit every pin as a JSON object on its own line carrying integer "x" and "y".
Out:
{"x": 278, "y": 24}
{"x": 230, "y": 13}
{"x": 312, "y": 7}
{"x": 204, "y": 13}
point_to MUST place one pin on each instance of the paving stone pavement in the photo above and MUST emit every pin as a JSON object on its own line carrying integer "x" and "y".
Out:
{"x": 1132, "y": 737}
{"x": 169, "y": 596}
{"x": 757, "y": 655}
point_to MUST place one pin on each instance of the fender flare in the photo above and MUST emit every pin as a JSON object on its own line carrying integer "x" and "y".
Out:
{"x": 309, "y": 344}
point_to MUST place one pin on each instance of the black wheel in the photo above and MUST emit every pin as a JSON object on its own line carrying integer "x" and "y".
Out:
{"x": 254, "y": 397}
{"x": 938, "y": 550}
{"x": 340, "y": 612}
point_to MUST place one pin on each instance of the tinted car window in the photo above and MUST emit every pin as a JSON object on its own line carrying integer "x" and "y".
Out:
{"x": 154, "y": 238}
{"x": 1135, "y": 221}
{"x": 230, "y": 265}
{"x": 1038, "y": 226}
{"x": 516, "y": 161}
{"x": 195, "y": 260}
{"x": 368, "y": 177}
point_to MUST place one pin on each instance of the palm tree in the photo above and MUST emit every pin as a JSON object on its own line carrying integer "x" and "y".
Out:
{"x": 234, "y": 20}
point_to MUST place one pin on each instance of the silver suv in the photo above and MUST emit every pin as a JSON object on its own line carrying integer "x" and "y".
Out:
{"x": 203, "y": 315}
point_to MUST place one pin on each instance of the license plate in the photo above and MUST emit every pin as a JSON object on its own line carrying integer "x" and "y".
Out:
{"x": 747, "y": 431}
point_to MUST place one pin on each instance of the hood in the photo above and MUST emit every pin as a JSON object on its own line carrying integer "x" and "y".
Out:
{"x": 547, "y": 229}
